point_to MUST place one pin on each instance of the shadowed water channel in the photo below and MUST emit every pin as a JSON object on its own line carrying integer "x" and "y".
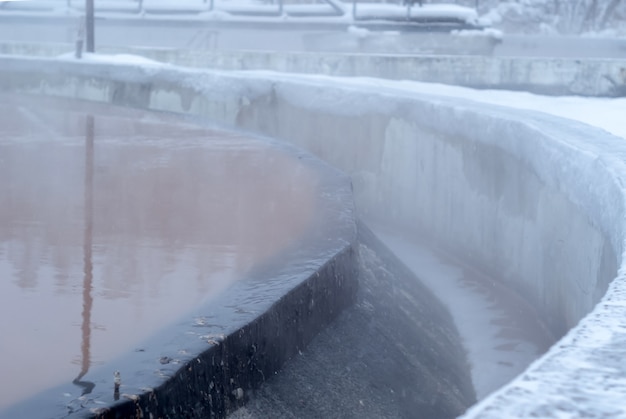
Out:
{"x": 114, "y": 225}
{"x": 501, "y": 333}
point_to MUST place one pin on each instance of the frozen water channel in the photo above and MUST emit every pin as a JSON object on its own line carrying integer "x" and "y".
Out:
{"x": 115, "y": 225}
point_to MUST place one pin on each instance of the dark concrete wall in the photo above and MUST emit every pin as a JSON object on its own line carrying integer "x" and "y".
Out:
{"x": 219, "y": 380}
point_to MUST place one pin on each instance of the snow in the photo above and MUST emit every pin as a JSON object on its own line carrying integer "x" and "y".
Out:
{"x": 494, "y": 33}
{"x": 586, "y": 17}
{"x": 604, "y": 113}
{"x": 120, "y": 59}
{"x": 358, "y": 32}
{"x": 451, "y": 11}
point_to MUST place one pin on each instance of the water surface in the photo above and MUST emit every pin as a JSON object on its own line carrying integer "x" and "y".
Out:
{"x": 115, "y": 222}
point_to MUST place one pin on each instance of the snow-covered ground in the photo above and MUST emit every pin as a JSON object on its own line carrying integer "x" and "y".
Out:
{"x": 605, "y": 113}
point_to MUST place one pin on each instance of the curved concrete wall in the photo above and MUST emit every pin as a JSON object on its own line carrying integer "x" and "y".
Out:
{"x": 534, "y": 198}
{"x": 489, "y": 196}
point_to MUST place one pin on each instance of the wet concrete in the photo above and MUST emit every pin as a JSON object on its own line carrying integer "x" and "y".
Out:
{"x": 395, "y": 353}
{"x": 115, "y": 226}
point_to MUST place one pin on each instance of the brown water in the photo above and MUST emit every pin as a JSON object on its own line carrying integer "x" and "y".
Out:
{"x": 114, "y": 225}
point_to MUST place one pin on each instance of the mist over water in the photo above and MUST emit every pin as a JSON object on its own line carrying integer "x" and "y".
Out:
{"x": 115, "y": 225}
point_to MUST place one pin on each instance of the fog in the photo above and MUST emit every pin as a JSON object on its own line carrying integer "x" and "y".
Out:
{"x": 120, "y": 221}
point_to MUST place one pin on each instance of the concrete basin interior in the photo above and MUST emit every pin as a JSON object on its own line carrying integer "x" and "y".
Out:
{"x": 511, "y": 198}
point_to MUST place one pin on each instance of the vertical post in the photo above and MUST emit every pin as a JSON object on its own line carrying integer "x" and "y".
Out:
{"x": 80, "y": 39}
{"x": 89, "y": 23}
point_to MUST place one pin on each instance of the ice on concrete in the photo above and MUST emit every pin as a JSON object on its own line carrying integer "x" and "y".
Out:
{"x": 121, "y": 59}
{"x": 605, "y": 113}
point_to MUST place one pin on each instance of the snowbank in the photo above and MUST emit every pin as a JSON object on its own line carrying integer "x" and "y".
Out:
{"x": 537, "y": 199}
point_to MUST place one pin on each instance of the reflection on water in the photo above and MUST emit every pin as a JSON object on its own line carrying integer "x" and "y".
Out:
{"x": 113, "y": 226}
{"x": 87, "y": 261}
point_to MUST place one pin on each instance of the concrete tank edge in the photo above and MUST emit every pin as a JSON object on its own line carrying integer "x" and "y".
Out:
{"x": 250, "y": 354}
